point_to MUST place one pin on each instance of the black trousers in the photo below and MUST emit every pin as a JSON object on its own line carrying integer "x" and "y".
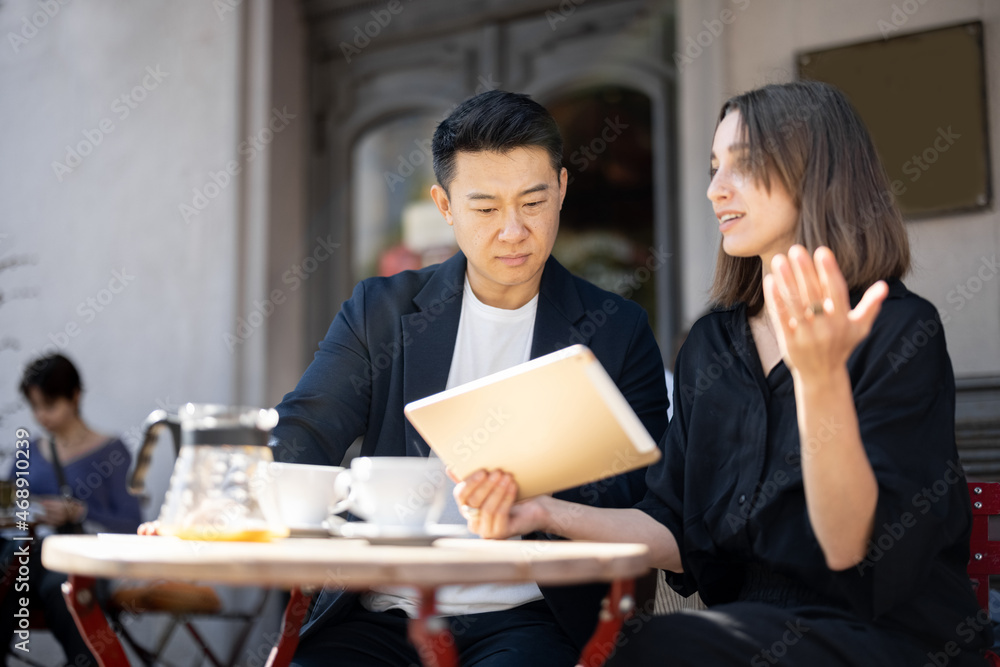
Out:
{"x": 755, "y": 634}
{"x": 525, "y": 636}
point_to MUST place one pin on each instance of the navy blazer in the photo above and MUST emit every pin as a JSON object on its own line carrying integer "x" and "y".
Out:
{"x": 392, "y": 343}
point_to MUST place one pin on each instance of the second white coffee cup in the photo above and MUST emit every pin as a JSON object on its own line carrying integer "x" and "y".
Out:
{"x": 393, "y": 490}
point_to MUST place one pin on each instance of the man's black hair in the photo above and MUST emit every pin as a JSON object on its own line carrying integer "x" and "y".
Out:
{"x": 496, "y": 121}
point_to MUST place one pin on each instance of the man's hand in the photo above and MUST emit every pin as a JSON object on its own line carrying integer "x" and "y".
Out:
{"x": 487, "y": 503}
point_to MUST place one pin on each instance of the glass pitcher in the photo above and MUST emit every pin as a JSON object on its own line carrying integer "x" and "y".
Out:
{"x": 219, "y": 489}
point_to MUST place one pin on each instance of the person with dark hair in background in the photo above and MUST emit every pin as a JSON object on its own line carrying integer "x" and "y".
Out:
{"x": 502, "y": 300}
{"x": 77, "y": 482}
{"x": 793, "y": 490}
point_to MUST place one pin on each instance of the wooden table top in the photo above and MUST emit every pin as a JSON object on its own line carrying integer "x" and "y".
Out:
{"x": 301, "y": 562}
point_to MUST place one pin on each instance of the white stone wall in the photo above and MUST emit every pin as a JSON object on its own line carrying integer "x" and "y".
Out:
{"x": 757, "y": 46}
{"x": 146, "y": 95}
{"x": 154, "y": 336}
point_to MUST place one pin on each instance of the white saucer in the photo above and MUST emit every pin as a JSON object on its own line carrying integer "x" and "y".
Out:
{"x": 399, "y": 535}
{"x": 309, "y": 531}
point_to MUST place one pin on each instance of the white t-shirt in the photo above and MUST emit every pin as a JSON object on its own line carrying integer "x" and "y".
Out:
{"x": 489, "y": 340}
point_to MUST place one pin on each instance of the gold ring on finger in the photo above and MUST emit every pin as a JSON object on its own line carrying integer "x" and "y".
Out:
{"x": 816, "y": 308}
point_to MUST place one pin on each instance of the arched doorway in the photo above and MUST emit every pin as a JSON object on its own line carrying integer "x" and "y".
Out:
{"x": 588, "y": 63}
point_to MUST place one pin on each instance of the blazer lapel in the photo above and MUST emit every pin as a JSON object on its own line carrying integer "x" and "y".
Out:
{"x": 559, "y": 311}
{"x": 429, "y": 340}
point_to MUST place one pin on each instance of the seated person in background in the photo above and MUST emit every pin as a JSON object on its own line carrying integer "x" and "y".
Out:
{"x": 792, "y": 494}
{"x": 77, "y": 478}
{"x": 499, "y": 302}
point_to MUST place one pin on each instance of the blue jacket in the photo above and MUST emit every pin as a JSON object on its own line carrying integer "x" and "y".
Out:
{"x": 392, "y": 343}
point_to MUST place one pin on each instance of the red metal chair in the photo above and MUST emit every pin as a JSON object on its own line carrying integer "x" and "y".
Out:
{"x": 984, "y": 554}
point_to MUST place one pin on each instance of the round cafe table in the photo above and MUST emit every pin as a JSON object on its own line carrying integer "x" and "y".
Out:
{"x": 304, "y": 565}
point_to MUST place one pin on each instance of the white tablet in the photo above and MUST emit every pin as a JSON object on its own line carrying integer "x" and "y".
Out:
{"x": 554, "y": 423}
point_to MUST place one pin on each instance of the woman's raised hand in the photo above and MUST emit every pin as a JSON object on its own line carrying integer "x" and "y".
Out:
{"x": 808, "y": 303}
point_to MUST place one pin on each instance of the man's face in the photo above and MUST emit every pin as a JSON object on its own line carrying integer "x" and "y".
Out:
{"x": 504, "y": 208}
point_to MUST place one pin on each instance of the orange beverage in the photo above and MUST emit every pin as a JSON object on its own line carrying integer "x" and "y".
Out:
{"x": 210, "y": 534}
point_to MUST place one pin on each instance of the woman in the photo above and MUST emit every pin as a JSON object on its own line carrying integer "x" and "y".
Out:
{"x": 812, "y": 493}
{"x": 77, "y": 483}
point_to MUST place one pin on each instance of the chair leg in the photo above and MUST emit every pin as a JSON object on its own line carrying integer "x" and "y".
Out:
{"x": 206, "y": 651}
{"x": 147, "y": 657}
{"x": 151, "y": 657}
{"x": 615, "y": 608}
{"x": 291, "y": 623}
{"x": 430, "y": 635}
{"x": 89, "y": 617}
{"x": 249, "y": 621}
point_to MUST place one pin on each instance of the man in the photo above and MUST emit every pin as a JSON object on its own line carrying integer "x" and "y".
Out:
{"x": 499, "y": 302}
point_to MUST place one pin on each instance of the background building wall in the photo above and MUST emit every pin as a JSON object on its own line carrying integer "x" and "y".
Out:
{"x": 758, "y": 46}
{"x": 152, "y": 336}
{"x": 116, "y": 116}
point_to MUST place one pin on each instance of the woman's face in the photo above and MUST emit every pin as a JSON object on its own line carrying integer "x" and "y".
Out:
{"x": 752, "y": 220}
{"x": 53, "y": 414}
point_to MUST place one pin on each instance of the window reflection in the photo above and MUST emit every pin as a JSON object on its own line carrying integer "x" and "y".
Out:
{"x": 395, "y": 224}
{"x": 607, "y": 224}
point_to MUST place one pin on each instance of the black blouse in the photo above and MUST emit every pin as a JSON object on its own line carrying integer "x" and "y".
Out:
{"x": 729, "y": 486}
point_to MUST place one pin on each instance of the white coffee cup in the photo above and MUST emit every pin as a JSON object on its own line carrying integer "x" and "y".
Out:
{"x": 305, "y": 493}
{"x": 394, "y": 490}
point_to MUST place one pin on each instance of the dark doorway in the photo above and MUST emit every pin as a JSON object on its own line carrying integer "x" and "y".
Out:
{"x": 607, "y": 223}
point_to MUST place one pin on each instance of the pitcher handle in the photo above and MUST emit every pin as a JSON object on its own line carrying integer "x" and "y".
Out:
{"x": 344, "y": 490}
{"x": 152, "y": 427}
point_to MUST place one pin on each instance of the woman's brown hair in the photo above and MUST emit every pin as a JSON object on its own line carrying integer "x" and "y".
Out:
{"x": 809, "y": 137}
